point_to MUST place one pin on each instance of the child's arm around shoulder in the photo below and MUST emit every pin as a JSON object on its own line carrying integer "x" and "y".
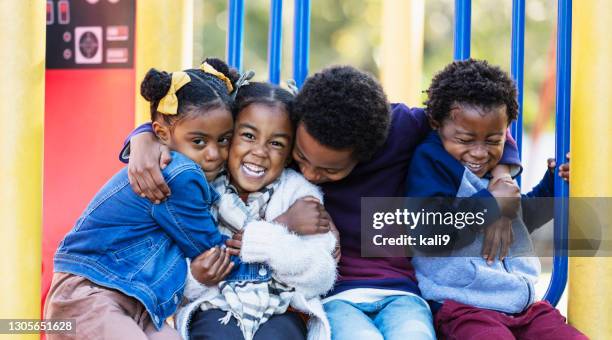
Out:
{"x": 146, "y": 157}
{"x": 185, "y": 215}
{"x": 295, "y": 186}
{"x": 411, "y": 123}
{"x": 510, "y": 156}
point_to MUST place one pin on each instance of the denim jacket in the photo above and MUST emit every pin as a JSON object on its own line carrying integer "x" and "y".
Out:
{"x": 125, "y": 242}
{"x": 251, "y": 272}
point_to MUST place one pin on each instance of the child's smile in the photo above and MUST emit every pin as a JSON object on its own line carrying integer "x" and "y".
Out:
{"x": 475, "y": 136}
{"x": 253, "y": 170}
{"x": 260, "y": 148}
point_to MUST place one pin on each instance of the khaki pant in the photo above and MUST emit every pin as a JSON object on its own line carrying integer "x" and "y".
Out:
{"x": 100, "y": 313}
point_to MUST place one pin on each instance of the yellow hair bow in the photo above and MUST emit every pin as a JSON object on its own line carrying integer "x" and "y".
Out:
{"x": 206, "y": 67}
{"x": 169, "y": 104}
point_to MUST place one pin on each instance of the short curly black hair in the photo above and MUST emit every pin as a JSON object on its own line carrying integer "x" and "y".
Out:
{"x": 344, "y": 108}
{"x": 472, "y": 82}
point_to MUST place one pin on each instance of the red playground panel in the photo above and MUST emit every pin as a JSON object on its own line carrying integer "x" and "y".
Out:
{"x": 89, "y": 108}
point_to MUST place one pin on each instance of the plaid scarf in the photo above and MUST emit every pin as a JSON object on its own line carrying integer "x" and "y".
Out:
{"x": 231, "y": 212}
{"x": 251, "y": 303}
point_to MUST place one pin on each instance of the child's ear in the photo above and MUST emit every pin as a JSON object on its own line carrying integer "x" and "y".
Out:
{"x": 162, "y": 132}
{"x": 434, "y": 124}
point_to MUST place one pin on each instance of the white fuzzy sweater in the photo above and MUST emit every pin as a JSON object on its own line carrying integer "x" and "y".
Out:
{"x": 303, "y": 262}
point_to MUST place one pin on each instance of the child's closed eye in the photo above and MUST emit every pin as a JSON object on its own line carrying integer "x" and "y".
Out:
{"x": 464, "y": 141}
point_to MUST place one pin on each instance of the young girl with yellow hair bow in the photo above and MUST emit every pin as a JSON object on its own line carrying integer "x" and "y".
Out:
{"x": 120, "y": 272}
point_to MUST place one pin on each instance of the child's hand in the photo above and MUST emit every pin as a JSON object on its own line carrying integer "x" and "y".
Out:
{"x": 507, "y": 194}
{"x": 306, "y": 217}
{"x": 212, "y": 266}
{"x": 501, "y": 170}
{"x": 497, "y": 237}
{"x": 337, "y": 249}
{"x": 564, "y": 169}
{"x": 234, "y": 244}
{"x": 147, "y": 156}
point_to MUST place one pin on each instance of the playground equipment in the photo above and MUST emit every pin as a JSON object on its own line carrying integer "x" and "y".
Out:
{"x": 163, "y": 39}
{"x": 402, "y": 54}
{"x": 23, "y": 67}
{"x": 89, "y": 105}
{"x": 590, "y": 279}
{"x": 462, "y": 51}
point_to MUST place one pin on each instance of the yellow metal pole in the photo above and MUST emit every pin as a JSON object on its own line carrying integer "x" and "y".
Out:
{"x": 590, "y": 278}
{"x": 402, "y": 50}
{"x": 22, "y": 89}
{"x": 164, "y": 40}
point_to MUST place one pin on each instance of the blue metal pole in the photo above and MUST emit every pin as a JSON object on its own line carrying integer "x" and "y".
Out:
{"x": 274, "y": 41}
{"x": 564, "y": 49}
{"x": 301, "y": 41}
{"x": 235, "y": 33}
{"x": 517, "y": 67}
{"x": 463, "y": 13}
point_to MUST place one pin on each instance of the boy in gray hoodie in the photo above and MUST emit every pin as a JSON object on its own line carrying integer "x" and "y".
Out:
{"x": 470, "y": 106}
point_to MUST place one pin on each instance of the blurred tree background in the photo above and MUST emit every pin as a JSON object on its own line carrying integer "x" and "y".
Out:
{"x": 349, "y": 32}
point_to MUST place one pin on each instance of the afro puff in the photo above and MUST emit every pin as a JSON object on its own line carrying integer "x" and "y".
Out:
{"x": 204, "y": 91}
{"x": 344, "y": 108}
{"x": 472, "y": 82}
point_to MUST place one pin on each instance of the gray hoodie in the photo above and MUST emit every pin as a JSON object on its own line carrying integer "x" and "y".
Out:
{"x": 506, "y": 286}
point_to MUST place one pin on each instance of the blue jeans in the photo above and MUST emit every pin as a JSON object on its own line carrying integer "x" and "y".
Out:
{"x": 395, "y": 317}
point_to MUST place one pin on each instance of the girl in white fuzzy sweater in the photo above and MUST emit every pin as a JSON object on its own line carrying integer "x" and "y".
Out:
{"x": 280, "y": 269}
